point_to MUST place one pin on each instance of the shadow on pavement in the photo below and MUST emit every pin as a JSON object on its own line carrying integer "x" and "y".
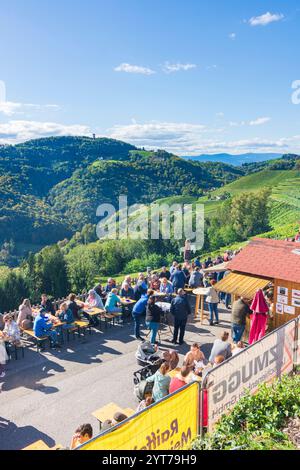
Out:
{"x": 13, "y": 437}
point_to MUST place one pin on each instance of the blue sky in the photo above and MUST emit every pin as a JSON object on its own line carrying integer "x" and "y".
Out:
{"x": 188, "y": 76}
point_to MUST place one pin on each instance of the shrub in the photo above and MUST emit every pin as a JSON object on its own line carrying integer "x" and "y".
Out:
{"x": 256, "y": 421}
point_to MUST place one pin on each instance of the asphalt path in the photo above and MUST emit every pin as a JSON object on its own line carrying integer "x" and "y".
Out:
{"x": 47, "y": 395}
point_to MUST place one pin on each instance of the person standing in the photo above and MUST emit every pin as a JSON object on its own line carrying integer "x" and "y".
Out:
{"x": 213, "y": 300}
{"x": 259, "y": 318}
{"x": 240, "y": 311}
{"x": 138, "y": 311}
{"x": 187, "y": 250}
{"x": 178, "y": 278}
{"x": 195, "y": 278}
{"x": 180, "y": 309}
{"x": 153, "y": 314}
{"x": 173, "y": 267}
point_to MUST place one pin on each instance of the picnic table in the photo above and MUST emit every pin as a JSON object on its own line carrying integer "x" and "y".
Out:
{"x": 93, "y": 311}
{"x": 41, "y": 445}
{"x": 108, "y": 411}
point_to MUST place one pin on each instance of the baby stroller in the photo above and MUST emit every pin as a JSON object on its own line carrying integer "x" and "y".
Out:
{"x": 149, "y": 358}
{"x": 141, "y": 387}
{"x": 146, "y": 354}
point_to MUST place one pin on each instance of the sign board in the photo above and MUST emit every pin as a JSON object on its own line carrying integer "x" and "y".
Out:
{"x": 171, "y": 424}
{"x": 262, "y": 362}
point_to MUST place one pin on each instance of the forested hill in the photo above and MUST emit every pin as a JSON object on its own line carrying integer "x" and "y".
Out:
{"x": 50, "y": 187}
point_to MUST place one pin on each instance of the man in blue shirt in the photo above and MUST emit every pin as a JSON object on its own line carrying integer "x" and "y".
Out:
{"x": 42, "y": 327}
{"x": 138, "y": 310}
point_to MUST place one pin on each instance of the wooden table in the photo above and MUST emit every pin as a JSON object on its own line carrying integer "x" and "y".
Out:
{"x": 93, "y": 311}
{"x": 37, "y": 445}
{"x": 108, "y": 411}
{"x": 126, "y": 301}
{"x": 41, "y": 445}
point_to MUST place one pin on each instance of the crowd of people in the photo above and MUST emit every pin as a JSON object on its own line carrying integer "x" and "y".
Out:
{"x": 151, "y": 296}
{"x": 163, "y": 382}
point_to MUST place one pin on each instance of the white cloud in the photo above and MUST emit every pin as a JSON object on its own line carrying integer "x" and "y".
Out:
{"x": 232, "y": 36}
{"x": 259, "y": 121}
{"x": 128, "y": 68}
{"x": 256, "y": 122}
{"x": 16, "y": 131}
{"x": 265, "y": 19}
{"x": 194, "y": 139}
{"x": 10, "y": 108}
{"x": 169, "y": 68}
{"x": 212, "y": 67}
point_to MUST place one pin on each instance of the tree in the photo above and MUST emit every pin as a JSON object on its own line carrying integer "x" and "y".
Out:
{"x": 250, "y": 213}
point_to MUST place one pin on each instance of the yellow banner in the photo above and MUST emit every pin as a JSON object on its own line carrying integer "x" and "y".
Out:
{"x": 169, "y": 425}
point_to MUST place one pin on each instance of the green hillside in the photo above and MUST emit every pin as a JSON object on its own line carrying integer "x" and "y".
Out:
{"x": 51, "y": 187}
{"x": 285, "y": 194}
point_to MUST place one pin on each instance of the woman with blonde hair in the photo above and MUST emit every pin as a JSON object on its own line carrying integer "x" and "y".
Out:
{"x": 25, "y": 316}
{"x": 11, "y": 330}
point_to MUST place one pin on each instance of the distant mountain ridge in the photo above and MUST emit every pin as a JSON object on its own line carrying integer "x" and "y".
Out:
{"x": 236, "y": 160}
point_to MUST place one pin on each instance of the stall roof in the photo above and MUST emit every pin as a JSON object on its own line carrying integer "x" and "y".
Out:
{"x": 241, "y": 285}
{"x": 275, "y": 259}
{"x": 217, "y": 268}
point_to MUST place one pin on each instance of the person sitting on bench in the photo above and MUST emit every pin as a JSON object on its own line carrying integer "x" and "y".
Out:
{"x": 42, "y": 327}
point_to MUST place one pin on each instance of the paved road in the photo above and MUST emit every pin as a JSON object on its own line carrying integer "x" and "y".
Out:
{"x": 47, "y": 395}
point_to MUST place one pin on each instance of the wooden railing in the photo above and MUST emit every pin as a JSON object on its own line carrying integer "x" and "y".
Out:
{"x": 56, "y": 303}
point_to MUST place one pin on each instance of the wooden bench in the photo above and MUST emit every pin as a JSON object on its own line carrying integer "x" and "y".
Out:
{"x": 13, "y": 348}
{"x": 108, "y": 411}
{"x": 82, "y": 325}
{"x": 109, "y": 318}
{"x": 38, "y": 340}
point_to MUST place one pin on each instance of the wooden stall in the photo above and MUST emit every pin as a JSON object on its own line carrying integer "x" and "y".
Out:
{"x": 271, "y": 265}
{"x": 265, "y": 263}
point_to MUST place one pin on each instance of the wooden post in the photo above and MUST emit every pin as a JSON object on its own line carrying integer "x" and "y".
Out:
{"x": 197, "y": 305}
{"x": 202, "y": 308}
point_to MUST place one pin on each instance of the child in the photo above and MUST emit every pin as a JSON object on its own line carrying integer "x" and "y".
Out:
{"x": 238, "y": 348}
{"x": 3, "y": 355}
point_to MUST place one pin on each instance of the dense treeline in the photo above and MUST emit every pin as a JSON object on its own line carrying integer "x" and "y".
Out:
{"x": 50, "y": 188}
{"x": 74, "y": 265}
